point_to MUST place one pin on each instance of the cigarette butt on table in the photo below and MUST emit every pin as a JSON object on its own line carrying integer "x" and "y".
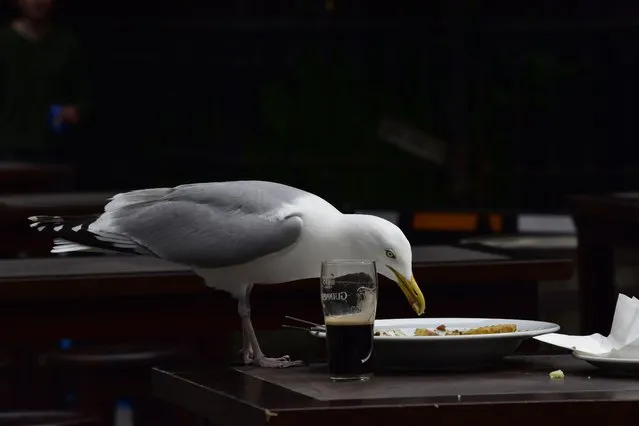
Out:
{"x": 556, "y": 375}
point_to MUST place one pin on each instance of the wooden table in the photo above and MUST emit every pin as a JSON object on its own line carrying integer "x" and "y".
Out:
{"x": 604, "y": 222}
{"x": 110, "y": 299}
{"x": 531, "y": 245}
{"x": 20, "y": 177}
{"x": 517, "y": 392}
{"x": 139, "y": 297}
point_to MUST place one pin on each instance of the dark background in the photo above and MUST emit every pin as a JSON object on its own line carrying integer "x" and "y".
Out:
{"x": 536, "y": 99}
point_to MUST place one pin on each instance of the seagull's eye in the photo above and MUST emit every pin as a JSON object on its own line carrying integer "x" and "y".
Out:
{"x": 390, "y": 254}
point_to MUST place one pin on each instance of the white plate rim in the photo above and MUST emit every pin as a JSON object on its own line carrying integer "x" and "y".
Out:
{"x": 604, "y": 359}
{"x": 548, "y": 327}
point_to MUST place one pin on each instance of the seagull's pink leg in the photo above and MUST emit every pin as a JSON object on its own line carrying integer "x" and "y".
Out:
{"x": 244, "y": 310}
{"x": 251, "y": 351}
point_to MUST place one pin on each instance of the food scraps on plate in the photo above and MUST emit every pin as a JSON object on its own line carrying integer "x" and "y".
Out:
{"x": 441, "y": 330}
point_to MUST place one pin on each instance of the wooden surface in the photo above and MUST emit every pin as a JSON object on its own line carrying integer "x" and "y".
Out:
{"x": 143, "y": 298}
{"x": 531, "y": 245}
{"x": 49, "y": 418}
{"x": 59, "y": 202}
{"x": 109, "y": 267}
{"x": 64, "y": 277}
{"x": 20, "y": 177}
{"x": 603, "y": 223}
{"x": 517, "y": 376}
{"x": 519, "y": 392}
{"x": 131, "y": 299}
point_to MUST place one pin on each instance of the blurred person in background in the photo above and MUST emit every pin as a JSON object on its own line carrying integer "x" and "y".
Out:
{"x": 44, "y": 88}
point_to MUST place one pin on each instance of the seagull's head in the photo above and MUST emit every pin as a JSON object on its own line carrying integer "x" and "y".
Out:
{"x": 378, "y": 239}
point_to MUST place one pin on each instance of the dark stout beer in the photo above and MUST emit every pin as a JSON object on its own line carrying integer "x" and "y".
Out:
{"x": 349, "y": 340}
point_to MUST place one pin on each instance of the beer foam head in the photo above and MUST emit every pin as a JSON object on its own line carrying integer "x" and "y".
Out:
{"x": 359, "y": 318}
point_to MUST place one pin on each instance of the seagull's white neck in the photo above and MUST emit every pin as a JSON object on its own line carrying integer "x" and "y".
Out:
{"x": 356, "y": 237}
{"x": 356, "y": 226}
{"x": 362, "y": 240}
{"x": 354, "y": 231}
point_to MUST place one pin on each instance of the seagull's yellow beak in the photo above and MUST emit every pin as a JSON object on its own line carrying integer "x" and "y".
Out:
{"x": 411, "y": 291}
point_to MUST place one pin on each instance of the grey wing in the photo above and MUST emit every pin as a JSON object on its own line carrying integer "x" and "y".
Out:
{"x": 200, "y": 234}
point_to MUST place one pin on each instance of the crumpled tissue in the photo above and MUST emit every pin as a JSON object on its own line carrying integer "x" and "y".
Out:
{"x": 622, "y": 342}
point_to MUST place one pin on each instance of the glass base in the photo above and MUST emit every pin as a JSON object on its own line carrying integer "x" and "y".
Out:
{"x": 349, "y": 378}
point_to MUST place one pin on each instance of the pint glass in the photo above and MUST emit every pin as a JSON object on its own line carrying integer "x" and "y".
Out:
{"x": 349, "y": 302}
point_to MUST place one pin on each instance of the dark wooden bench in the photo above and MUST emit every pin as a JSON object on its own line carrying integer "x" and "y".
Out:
{"x": 96, "y": 292}
{"x": 21, "y": 177}
{"x": 124, "y": 299}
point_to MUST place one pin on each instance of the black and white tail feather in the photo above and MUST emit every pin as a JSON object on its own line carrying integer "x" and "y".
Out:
{"x": 72, "y": 234}
{"x": 83, "y": 233}
{"x": 76, "y": 233}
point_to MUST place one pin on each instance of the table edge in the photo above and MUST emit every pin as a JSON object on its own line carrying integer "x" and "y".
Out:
{"x": 307, "y": 403}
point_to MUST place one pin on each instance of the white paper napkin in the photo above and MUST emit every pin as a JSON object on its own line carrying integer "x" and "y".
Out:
{"x": 622, "y": 342}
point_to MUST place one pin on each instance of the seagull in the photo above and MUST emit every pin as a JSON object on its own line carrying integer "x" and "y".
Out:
{"x": 237, "y": 233}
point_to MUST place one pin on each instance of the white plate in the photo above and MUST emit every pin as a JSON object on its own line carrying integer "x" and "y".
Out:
{"x": 623, "y": 366}
{"x": 455, "y": 352}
